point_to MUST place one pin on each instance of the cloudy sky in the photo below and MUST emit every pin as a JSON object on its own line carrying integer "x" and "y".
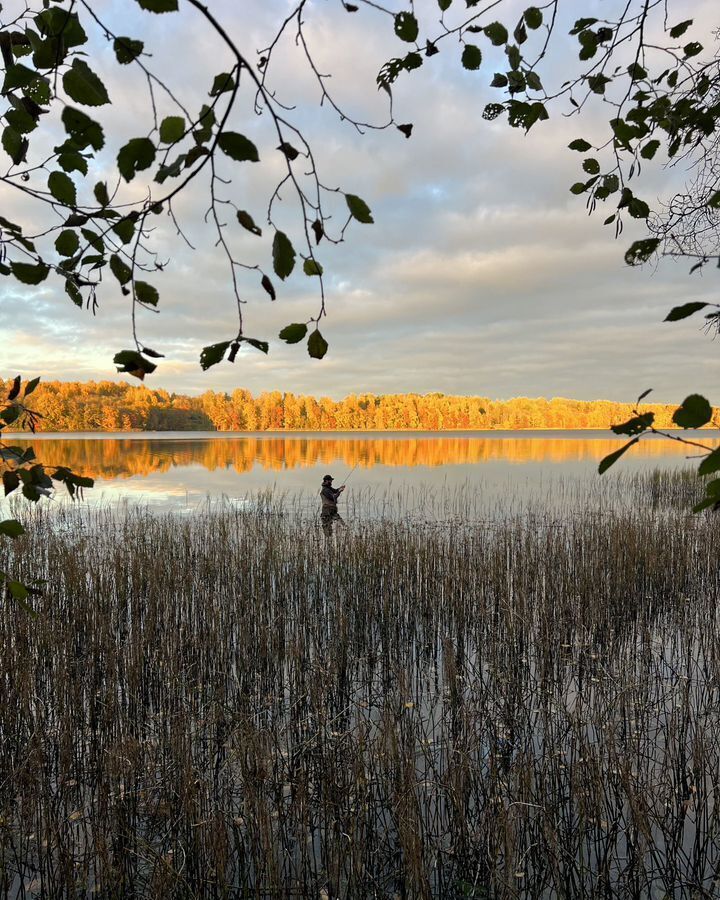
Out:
{"x": 481, "y": 275}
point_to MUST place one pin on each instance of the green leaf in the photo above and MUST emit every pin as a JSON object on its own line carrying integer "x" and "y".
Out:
{"x": 317, "y": 345}
{"x": 238, "y": 147}
{"x": 679, "y": 30}
{"x": 635, "y": 425}
{"x": 293, "y": 334}
{"x": 444, "y": 5}
{"x": 101, "y": 193}
{"x": 62, "y": 187}
{"x": 268, "y": 286}
{"x": 692, "y": 49}
{"x": 714, "y": 201}
{"x": 406, "y": 27}
{"x": 640, "y": 251}
{"x": 120, "y": 269}
{"x": 682, "y": 312}
{"x": 29, "y": 273}
{"x": 711, "y": 463}
{"x": 83, "y": 85}
{"x": 172, "y": 129}
{"x": 11, "y": 528}
{"x": 67, "y": 242}
{"x": 248, "y": 223}
{"x": 14, "y": 144}
{"x": 136, "y": 155}
{"x": 650, "y": 149}
{"x": 694, "y": 412}
{"x": 471, "y": 57}
{"x": 94, "y": 239}
{"x": 127, "y": 49}
{"x": 283, "y": 254}
{"x": 206, "y": 122}
{"x": 159, "y": 6}
{"x": 533, "y": 17}
{"x": 638, "y": 209}
{"x": 82, "y": 129}
{"x": 263, "y": 346}
{"x": 591, "y": 166}
{"x": 580, "y": 145}
{"x": 613, "y": 457}
{"x": 496, "y": 33}
{"x": 359, "y": 209}
{"x": 125, "y": 228}
{"x": 133, "y": 363}
{"x": 146, "y": 293}
{"x": 312, "y": 267}
{"x": 73, "y": 161}
{"x": 212, "y": 355}
{"x": 222, "y": 83}
{"x": 288, "y": 151}
{"x": 73, "y": 292}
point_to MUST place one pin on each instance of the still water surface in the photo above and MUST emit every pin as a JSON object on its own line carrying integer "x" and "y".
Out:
{"x": 181, "y": 470}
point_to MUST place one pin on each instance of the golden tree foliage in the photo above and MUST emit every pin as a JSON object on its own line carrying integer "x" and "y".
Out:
{"x": 107, "y": 406}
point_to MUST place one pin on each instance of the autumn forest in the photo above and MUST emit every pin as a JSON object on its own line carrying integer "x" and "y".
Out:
{"x": 107, "y": 406}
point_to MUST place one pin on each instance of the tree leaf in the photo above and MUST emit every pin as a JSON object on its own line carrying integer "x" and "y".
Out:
{"x": 682, "y": 312}
{"x": 679, "y": 30}
{"x": 133, "y": 363}
{"x": 317, "y": 345}
{"x": 533, "y": 17}
{"x": 127, "y": 49}
{"x": 359, "y": 209}
{"x": 268, "y": 286}
{"x": 146, "y": 293}
{"x": 289, "y": 151}
{"x": 471, "y": 57}
{"x": 293, "y": 334}
{"x": 312, "y": 267}
{"x": 640, "y": 251}
{"x": 213, "y": 354}
{"x": 248, "y": 223}
{"x": 62, "y": 187}
{"x": 580, "y": 145}
{"x": 263, "y": 346}
{"x": 67, "y": 242}
{"x": 172, "y": 129}
{"x": 711, "y": 463}
{"x": 694, "y": 412}
{"x": 222, "y": 83}
{"x": 159, "y": 6}
{"x": 83, "y": 85}
{"x": 83, "y": 130}
{"x": 406, "y": 27}
{"x": 29, "y": 273}
{"x": 11, "y": 528}
{"x": 237, "y": 147}
{"x": 120, "y": 269}
{"x": 136, "y": 155}
{"x": 635, "y": 425}
{"x": 613, "y": 457}
{"x": 497, "y": 34}
{"x": 283, "y": 255}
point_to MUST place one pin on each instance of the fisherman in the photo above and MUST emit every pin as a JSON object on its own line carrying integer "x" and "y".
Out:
{"x": 329, "y": 496}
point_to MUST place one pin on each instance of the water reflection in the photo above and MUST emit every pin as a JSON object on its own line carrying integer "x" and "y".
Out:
{"x": 111, "y": 458}
{"x": 181, "y": 470}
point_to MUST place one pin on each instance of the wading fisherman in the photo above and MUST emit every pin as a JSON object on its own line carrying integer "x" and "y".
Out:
{"x": 329, "y": 496}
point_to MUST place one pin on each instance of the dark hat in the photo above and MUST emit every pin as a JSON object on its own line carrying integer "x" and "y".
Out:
{"x": 327, "y": 478}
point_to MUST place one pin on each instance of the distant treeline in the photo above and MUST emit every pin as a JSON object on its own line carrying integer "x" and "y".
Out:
{"x": 112, "y": 406}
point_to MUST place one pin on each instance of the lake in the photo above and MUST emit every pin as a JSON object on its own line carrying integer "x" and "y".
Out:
{"x": 181, "y": 470}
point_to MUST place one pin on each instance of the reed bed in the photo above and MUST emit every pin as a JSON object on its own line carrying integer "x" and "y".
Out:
{"x": 238, "y": 704}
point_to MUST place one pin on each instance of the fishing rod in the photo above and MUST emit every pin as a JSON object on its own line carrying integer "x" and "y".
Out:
{"x": 350, "y": 473}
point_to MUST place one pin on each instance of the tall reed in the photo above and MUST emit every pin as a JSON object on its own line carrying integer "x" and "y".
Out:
{"x": 237, "y": 704}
